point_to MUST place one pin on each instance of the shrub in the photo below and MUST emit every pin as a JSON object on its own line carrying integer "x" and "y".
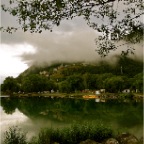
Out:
{"x": 127, "y": 96}
{"x": 75, "y": 134}
{"x": 69, "y": 135}
{"x": 14, "y": 136}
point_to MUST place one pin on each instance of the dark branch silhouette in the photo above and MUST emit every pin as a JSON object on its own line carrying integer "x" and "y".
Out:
{"x": 38, "y": 15}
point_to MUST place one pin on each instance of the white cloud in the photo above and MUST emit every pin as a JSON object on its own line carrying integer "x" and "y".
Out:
{"x": 11, "y": 63}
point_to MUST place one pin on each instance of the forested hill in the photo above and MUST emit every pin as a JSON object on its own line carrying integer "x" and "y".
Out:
{"x": 70, "y": 77}
{"x": 124, "y": 66}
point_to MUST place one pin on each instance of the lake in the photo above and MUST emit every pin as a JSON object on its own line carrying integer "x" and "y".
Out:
{"x": 33, "y": 113}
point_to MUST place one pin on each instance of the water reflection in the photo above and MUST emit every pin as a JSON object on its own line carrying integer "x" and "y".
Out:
{"x": 33, "y": 113}
{"x": 17, "y": 116}
{"x": 8, "y": 120}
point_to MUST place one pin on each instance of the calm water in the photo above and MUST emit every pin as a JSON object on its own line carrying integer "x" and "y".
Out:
{"x": 34, "y": 113}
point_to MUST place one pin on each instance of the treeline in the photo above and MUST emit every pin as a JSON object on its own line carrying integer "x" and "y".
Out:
{"x": 126, "y": 74}
{"x": 108, "y": 81}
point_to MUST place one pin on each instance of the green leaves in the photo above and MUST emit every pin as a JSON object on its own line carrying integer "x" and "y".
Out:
{"x": 114, "y": 84}
{"x": 14, "y": 135}
{"x": 59, "y": 4}
{"x": 10, "y": 85}
{"x": 55, "y": 10}
{"x": 14, "y": 12}
{"x": 34, "y": 83}
{"x": 76, "y": 133}
{"x": 104, "y": 46}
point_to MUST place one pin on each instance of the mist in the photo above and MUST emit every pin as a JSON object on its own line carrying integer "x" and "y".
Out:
{"x": 72, "y": 41}
{"x": 74, "y": 47}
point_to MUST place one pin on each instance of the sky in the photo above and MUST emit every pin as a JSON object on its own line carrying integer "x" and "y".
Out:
{"x": 72, "y": 41}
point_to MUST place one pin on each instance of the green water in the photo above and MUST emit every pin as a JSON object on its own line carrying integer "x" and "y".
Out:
{"x": 60, "y": 112}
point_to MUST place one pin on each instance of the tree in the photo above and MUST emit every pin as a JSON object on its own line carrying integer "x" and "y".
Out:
{"x": 51, "y": 85}
{"x": 34, "y": 83}
{"x": 10, "y": 85}
{"x": 86, "y": 80}
{"x": 114, "y": 84}
{"x": 138, "y": 81}
{"x": 105, "y": 16}
{"x": 65, "y": 86}
{"x": 100, "y": 79}
{"x": 75, "y": 82}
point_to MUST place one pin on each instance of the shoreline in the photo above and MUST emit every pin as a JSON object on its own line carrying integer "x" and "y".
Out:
{"x": 125, "y": 97}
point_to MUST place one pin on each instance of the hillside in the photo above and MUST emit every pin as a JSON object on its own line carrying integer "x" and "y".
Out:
{"x": 124, "y": 66}
{"x": 70, "y": 77}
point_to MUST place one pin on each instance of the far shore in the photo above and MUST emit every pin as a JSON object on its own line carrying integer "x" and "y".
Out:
{"x": 103, "y": 96}
{"x": 60, "y": 95}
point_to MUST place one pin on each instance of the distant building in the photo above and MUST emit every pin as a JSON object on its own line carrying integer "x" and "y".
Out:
{"x": 45, "y": 73}
{"x": 55, "y": 69}
{"x": 126, "y": 91}
{"x": 97, "y": 92}
{"x": 97, "y": 99}
{"x": 52, "y": 91}
{"x": 102, "y": 90}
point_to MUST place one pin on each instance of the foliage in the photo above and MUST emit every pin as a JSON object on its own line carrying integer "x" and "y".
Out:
{"x": 130, "y": 67}
{"x": 129, "y": 96}
{"x": 101, "y": 78}
{"x": 75, "y": 134}
{"x": 138, "y": 81}
{"x": 114, "y": 84}
{"x": 65, "y": 87}
{"x": 10, "y": 85}
{"x": 125, "y": 74}
{"x": 35, "y": 83}
{"x": 69, "y": 135}
{"x": 14, "y": 136}
{"x": 75, "y": 82}
{"x": 51, "y": 85}
{"x": 105, "y": 16}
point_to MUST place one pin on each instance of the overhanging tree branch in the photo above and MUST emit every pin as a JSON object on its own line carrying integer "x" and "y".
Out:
{"x": 38, "y": 15}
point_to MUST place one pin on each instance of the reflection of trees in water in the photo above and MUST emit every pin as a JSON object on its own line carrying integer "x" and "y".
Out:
{"x": 9, "y": 105}
{"x": 69, "y": 110}
{"x": 131, "y": 116}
